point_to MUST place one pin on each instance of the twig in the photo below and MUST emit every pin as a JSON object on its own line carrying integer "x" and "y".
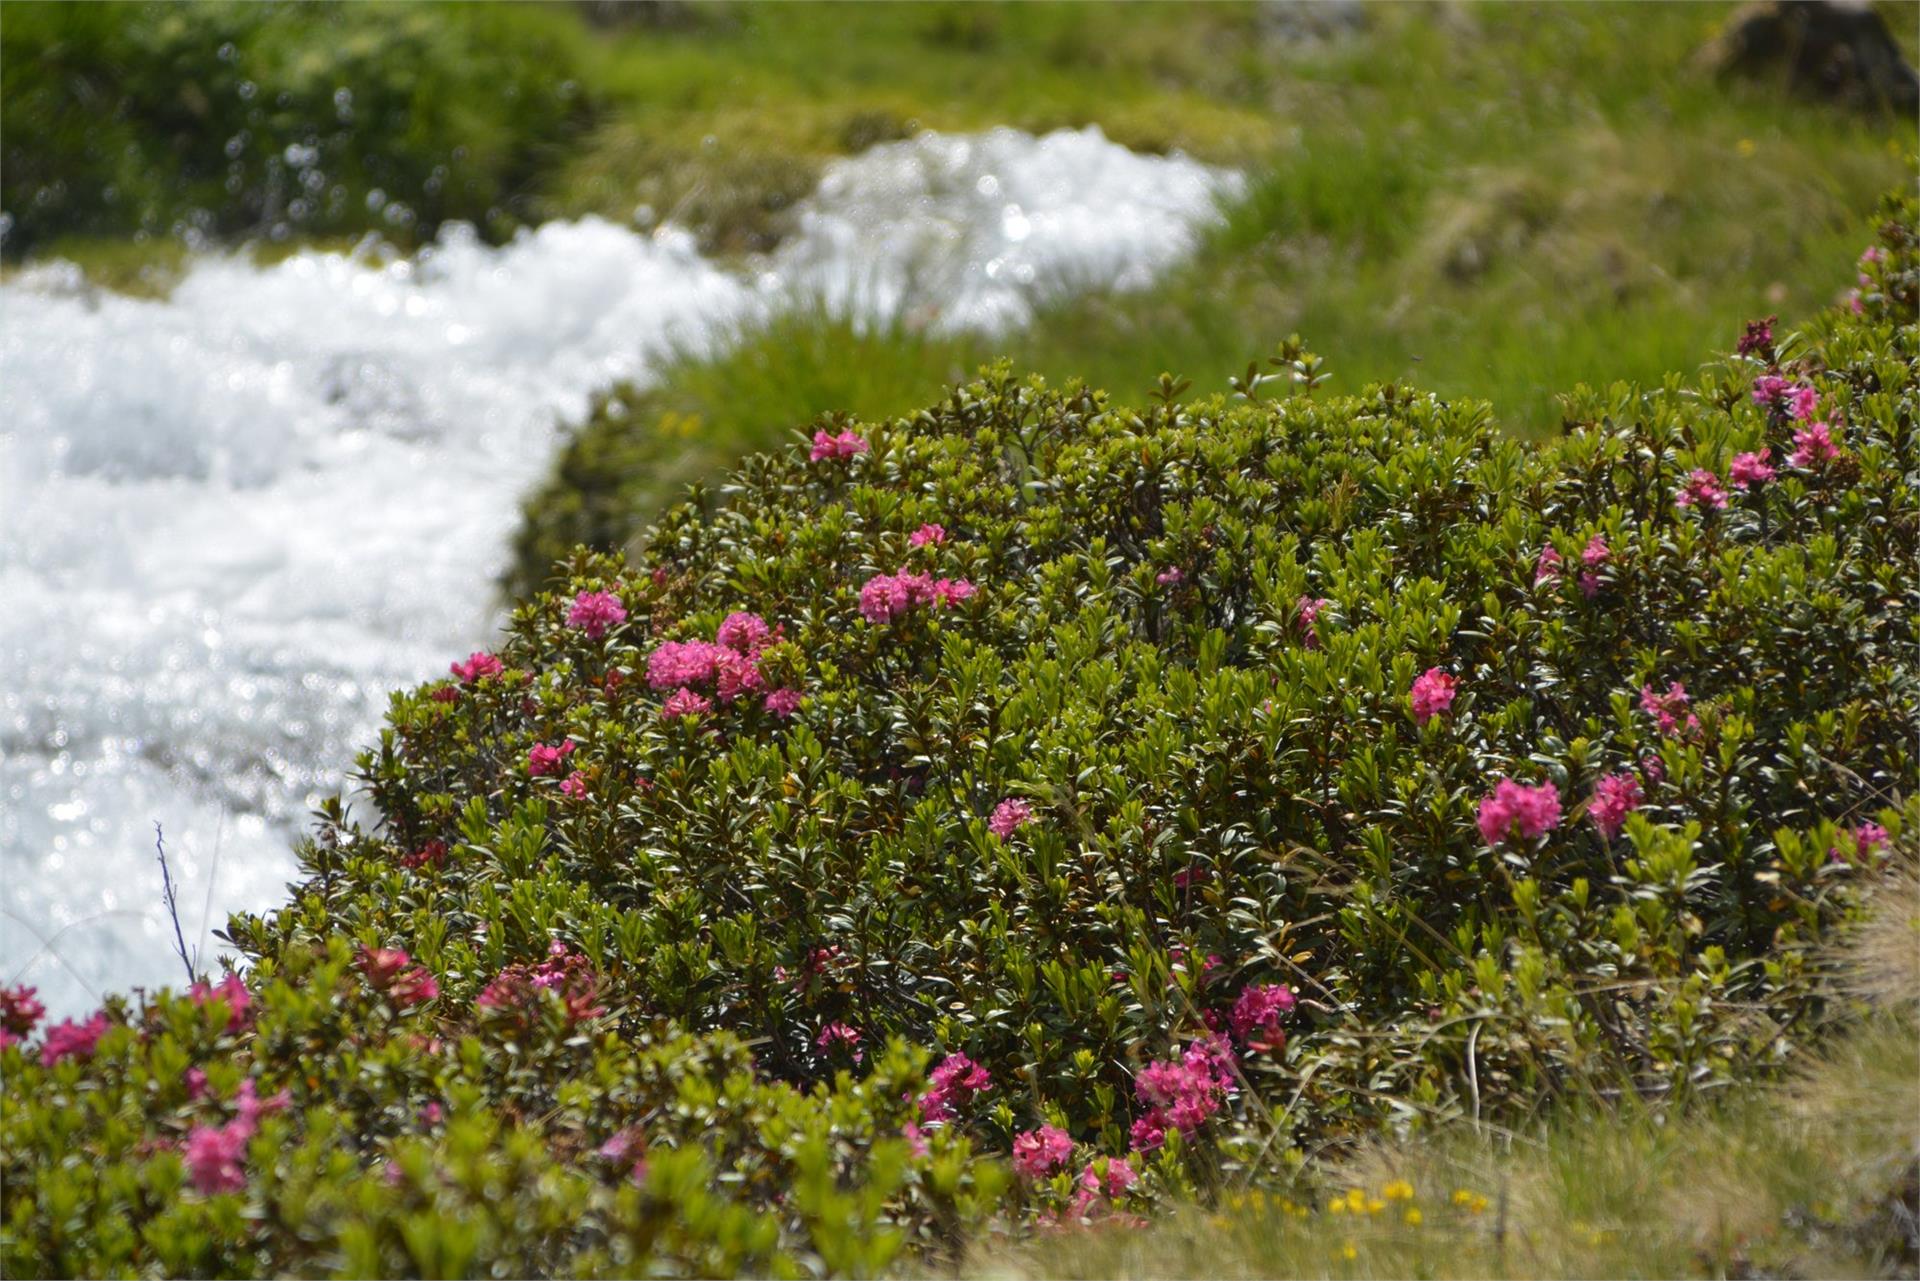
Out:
{"x": 172, "y": 901}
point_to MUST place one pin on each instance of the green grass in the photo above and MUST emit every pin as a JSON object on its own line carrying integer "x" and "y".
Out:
{"x": 1500, "y": 201}
{"x": 1800, "y": 1178}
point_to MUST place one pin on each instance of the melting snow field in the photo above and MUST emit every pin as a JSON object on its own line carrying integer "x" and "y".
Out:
{"x": 232, "y": 520}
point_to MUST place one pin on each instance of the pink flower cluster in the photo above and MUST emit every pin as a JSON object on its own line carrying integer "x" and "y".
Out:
{"x": 1547, "y": 567}
{"x": 1758, "y": 338}
{"x": 838, "y": 1034}
{"x": 1256, "y": 1015}
{"x": 574, "y": 786}
{"x": 1170, "y": 577}
{"x": 1307, "y": 613}
{"x": 1182, "y": 1093}
{"x": 886, "y": 597}
{"x": 1614, "y": 797}
{"x": 73, "y": 1039}
{"x": 568, "y": 975}
{"x": 594, "y": 612}
{"x": 428, "y": 854}
{"x": 1868, "y": 838}
{"x": 20, "y": 1013}
{"x": 927, "y": 535}
{"x": 1120, "y": 1178}
{"x": 1040, "y": 1152}
{"x": 1594, "y": 556}
{"x": 1702, "y": 490}
{"x": 951, "y": 1086}
{"x": 1009, "y": 816}
{"x": 1784, "y": 398}
{"x": 728, "y": 665}
{"x": 215, "y": 1154}
{"x": 1813, "y": 445}
{"x": 1516, "y": 809}
{"x": 1667, "y": 709}
{"x": 1432, "y": 694}
{"x": 479, "y": 664}
{"x": 846, "y": 445}
{"x": 392, "y": 971}
{"x": 628, "y": 1148}
{"x": 232, "y": 992}
{"x": 544, "y": 759}
{"x": 1751, "y": 469}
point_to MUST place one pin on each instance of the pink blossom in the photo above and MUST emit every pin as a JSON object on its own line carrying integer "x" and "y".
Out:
{"x": 838, "y": 1034}
{"x": 952, "y": 1085}
{"x": 73, "y": 1039}
{"x": 1770, "y": 391}
{"x": 735, "y": 675}
{"x": 927, "y": 534}
{"x": 784, "y": 702}
{"x": 543, "y": 759}
{"x": 1040, "y": 1152}
{"x": 743, "y": 633}
{"x": 392, "y": 971}
{"x": 685, "y": 702}
{"x": 445, "y": 694}
{"x": 1813, "y": 445}
{"x": 1589, "y": 584}
{"x": 1702, "y": 490}
{"x": 20, "y": 1013}
{"x": 1547, "y": 567}
{"x": 574, "y": 786}
{"x": 1516, "y": 809}
{"x": 1596, "y": 553}
{"x": 1120, "y": 1177}
{"x": 197, "y": 1083}
{"x": 1751, "y": 469}
{"x": 1667, "y": 709}
{"x": 1614, "y": 797}
{"x": 1182, "y": 1094}
{"x": 479, "y": 664}
{"x": 231, "y": 991}
{"x": 1170, "y": 577}
{"x": 594, "y": 612}
{"x": 1757, "y": 338}
{"x": 1256, "y": 1015}
{"x": 1149, "y": 1131}
{"x": 951, "y": 591}
{"x": 214, "y": 1157}
{"x": 916, "y": 1139}
{"x": 678, "y": 663}
{"x": 429, "y": 854}
{"x": 1802, "y": 403}
{"x": 568, "y": 975}
{"x": 1308, "y": 609}
{"x": 1432, "y": 694}
{"x": 847, "y": 444}
{"x": 1009, "y": 815}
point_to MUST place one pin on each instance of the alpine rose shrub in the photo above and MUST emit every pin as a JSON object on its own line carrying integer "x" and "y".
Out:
{"x": 1262, "y": 894}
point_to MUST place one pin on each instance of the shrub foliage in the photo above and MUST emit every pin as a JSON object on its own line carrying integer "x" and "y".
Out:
{"x": 1222, "y": 781}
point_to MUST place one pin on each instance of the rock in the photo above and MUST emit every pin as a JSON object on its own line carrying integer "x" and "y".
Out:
{"x": 1839, "y": 50}
{"x": 1308, "y": 21}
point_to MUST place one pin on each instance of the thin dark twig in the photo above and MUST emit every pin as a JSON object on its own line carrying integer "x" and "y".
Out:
{"x": 172, "y": 901}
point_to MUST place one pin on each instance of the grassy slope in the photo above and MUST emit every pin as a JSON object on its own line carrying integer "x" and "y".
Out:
{"x": 1801, "y": 1179}
{"x": 1501, "y": 201}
